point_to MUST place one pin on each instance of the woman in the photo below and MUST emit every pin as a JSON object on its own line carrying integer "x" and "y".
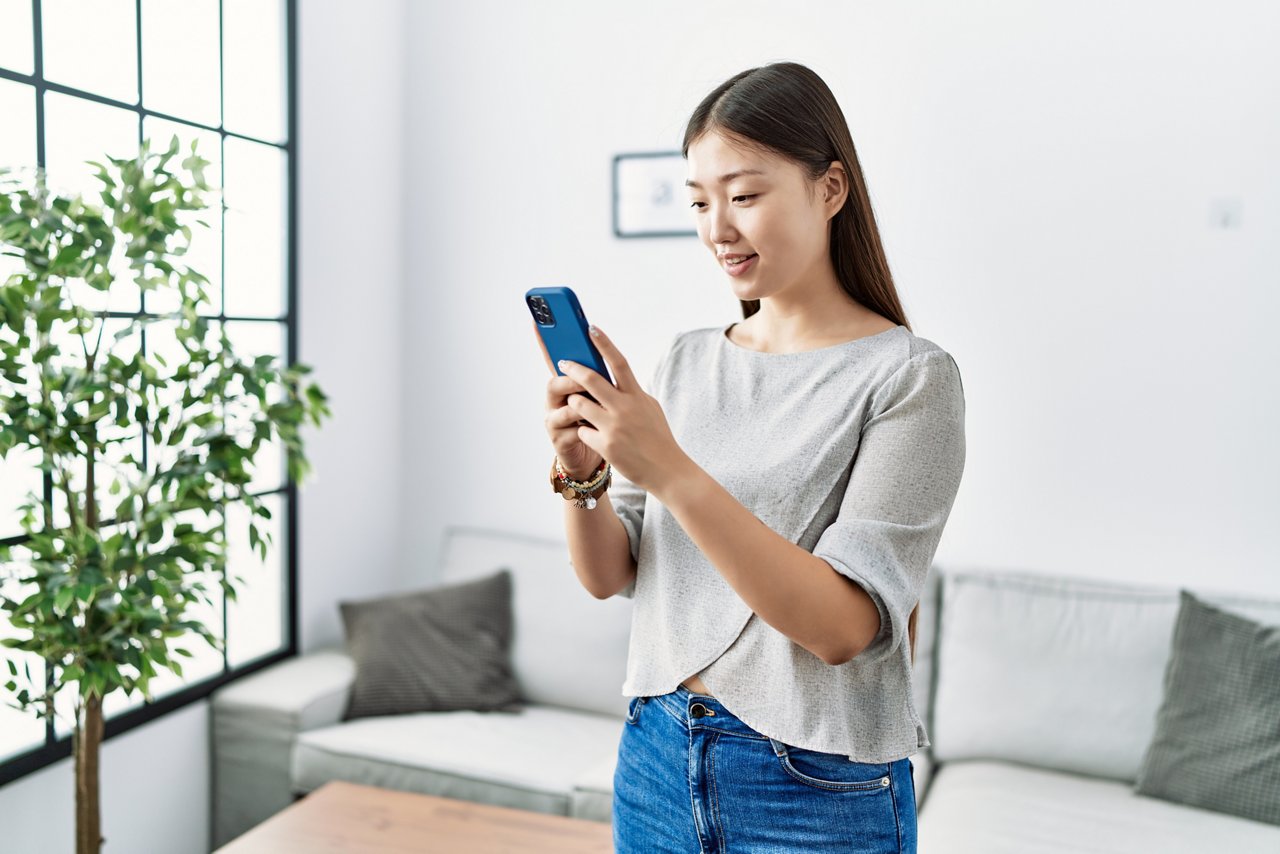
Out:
{"x": 784, "y": 491}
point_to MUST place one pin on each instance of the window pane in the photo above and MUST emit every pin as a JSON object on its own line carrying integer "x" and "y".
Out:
{"x": 162, "y": 343}
{"x": 18, "y": 129}
{"x": 20, "y": 468}
{"x": 180, "y": 59}
{"x": 253, "y": 68}
{"x": 92, "y": 45}
{"x": 256, "y": 619}
{"x": 19, "y": 731}
{"x": 123, "y": 440}
{"x": 205, "y": 254}
{"x": 113, "y": 704}
{"x": 250, "y": 339}
{"x": 205, "y": 661}
{"x": 255, "y": 197}
{"x": 16, "y": 38}
{"x": 19, "y": 474}
{"x": 76, "y": 131}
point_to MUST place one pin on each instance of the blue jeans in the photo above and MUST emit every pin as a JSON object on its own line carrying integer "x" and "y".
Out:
{"x": 693, "y": 779}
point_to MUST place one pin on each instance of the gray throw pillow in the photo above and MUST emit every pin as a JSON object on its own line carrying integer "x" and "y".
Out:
{"x": 1217, "y": 739}
{"x": 443, "y": 649}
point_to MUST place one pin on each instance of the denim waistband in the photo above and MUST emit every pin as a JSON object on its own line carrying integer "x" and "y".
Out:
{"x": 702, "y": 710}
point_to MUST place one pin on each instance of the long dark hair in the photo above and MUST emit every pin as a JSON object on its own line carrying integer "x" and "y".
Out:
{"x": 788, "y": 109}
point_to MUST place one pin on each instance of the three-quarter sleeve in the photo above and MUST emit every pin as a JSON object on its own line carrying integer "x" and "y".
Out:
{"x": 628, "y": 503}
{"x": 627, "y": 498}
{"x": 905, "y": 476}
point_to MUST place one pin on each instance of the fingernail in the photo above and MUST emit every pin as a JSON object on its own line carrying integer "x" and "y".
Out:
{"x": 595, "y": 332}
{"x": 561, "y": 364}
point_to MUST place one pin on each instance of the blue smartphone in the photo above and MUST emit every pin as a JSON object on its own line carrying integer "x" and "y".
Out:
{"x": 563, "y": 328}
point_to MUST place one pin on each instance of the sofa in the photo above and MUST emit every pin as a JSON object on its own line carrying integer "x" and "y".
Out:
{"x": 1039, "y": 693}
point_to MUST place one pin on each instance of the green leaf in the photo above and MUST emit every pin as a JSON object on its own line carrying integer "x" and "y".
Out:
{"x": 62, "y": 599}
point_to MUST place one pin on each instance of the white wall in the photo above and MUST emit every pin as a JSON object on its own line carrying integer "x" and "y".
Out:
{"x": 1044, "y": 176}
{"x": 155, "y": 779}
{"x": 154, "y": 794}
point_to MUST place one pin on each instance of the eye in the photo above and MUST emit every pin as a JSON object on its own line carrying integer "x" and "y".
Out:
{"x": 735, "y": 198}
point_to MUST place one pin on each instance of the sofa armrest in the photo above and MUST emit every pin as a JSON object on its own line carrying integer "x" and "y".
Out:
{"x": 923, "y": 766}
{"x": 255, "y": 721}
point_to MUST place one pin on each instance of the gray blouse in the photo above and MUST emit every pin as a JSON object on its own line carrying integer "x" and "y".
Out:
{"x": 854, "y": 452}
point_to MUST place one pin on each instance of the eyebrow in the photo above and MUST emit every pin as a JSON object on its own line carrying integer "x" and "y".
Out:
{"x": 727, "y": 177}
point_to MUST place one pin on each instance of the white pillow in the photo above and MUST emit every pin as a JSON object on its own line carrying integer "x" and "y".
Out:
{"x": 1056, "y": 672}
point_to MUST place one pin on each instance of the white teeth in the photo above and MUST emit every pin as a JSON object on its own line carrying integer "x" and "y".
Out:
{"x": 736, "y": 262}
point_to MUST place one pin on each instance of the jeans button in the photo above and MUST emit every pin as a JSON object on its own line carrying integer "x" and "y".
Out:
{"x": 698, "y": 710}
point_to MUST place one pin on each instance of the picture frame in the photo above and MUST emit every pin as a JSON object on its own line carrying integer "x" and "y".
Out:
{"x": 649, "y": 196}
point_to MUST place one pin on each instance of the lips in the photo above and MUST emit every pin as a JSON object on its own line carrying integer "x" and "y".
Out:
{"x": 738, "y": 268}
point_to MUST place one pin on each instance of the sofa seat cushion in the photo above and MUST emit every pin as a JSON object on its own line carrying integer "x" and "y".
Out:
{"x": 593, "y": 790}
{"x": 981, "y": 807}
{"x": 527, "y": 760}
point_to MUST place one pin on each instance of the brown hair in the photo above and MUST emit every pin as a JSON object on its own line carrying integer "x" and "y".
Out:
{"x": 787, "y": 109}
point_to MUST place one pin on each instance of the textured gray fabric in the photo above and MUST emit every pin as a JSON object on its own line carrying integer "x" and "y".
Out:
{"x": 443, "y": 649}
{"x": 1217, "y": 739}
{"x": 853, "y": 452}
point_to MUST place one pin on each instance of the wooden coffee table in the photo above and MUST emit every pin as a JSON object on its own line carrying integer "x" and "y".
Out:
{"x": 346, "y": 818}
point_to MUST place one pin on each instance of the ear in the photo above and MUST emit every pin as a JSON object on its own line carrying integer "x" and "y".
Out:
{"x": 835, "y": 188}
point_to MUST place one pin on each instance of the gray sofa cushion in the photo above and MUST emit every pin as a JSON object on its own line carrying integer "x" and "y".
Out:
{"x": 443, "y": 649}
{"x": 1217, "y": 739}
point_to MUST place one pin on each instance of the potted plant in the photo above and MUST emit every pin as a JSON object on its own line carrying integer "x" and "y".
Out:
{"x": 106, "y": 593}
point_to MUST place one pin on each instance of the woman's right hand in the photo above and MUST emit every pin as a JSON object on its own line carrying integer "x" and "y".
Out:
{"x": 576, "y": 458}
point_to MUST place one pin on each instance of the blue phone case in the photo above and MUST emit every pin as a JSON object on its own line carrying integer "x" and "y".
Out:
{"x": 563, "y": 328}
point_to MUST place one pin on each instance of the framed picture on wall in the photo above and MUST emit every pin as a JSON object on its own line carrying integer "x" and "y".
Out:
{"x": 649, "y": 196}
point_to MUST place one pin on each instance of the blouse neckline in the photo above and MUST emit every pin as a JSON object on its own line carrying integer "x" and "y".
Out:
{"x": 729, "y": 344}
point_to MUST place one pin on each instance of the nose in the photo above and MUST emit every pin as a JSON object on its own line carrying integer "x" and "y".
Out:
{"x": 721, "y": 229}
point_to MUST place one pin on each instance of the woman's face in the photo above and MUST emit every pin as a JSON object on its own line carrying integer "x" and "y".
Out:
{"x": 767, "y": 211}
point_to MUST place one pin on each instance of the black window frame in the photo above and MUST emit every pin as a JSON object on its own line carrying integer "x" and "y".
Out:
{"x": 57, "y": 748}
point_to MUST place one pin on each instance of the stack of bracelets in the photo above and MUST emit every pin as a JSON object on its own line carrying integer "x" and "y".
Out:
{"x": 582, "y": 492}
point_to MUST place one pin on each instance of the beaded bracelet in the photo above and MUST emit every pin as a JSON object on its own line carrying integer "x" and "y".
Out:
{"x": 583, "y": 492}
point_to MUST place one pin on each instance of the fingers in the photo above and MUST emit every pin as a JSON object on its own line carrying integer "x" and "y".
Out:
{"x": 586, "y": 408}
{"x": 618, "y": 365}
{"x": 591, "y": 381}
{"x": 562, "y": 418}
{"x": 558, "y": 388}
{"x": 603, "y": 390}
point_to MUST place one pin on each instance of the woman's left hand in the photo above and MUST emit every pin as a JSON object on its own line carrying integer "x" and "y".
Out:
{"x": 630, "y": 429}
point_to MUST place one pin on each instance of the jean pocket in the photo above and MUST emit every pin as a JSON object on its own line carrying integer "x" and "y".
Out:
{"x": 831, "y": 771}
{"x": 633, "y": 709}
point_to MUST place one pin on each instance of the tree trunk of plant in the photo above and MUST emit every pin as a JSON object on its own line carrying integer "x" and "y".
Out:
{"x": 87, "y": 739}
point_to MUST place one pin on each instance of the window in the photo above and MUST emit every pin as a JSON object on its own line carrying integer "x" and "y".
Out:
{"x": 84, "y": 78}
